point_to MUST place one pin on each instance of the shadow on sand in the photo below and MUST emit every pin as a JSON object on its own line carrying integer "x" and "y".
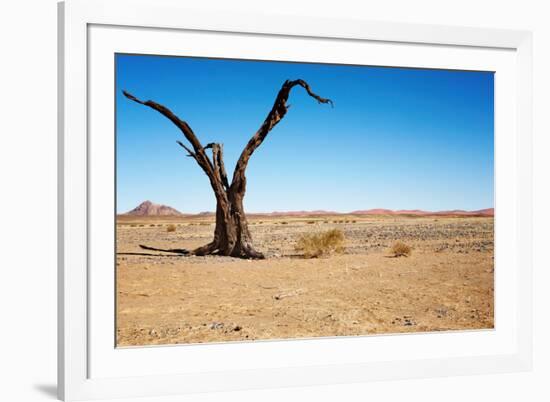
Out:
{"x": 178, "y": 251}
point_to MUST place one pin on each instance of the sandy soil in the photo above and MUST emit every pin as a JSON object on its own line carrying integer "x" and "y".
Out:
{"x": 446, "y": 284}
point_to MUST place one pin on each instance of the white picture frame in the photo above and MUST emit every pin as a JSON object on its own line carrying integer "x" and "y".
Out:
{"x": 87, "y": 366}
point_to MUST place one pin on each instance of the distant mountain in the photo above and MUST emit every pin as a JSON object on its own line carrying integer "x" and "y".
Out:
{"x": 455, "y": 212}
{"x": 377, "y": 211}
{"x": 296, "y": 213}
{"x": 485, "y": 212}
{"x": 206, "y": 213}
{"x": 147, "y": 208}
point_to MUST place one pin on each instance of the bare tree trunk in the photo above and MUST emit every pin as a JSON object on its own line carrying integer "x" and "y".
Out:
{"x": 231, "y": 234}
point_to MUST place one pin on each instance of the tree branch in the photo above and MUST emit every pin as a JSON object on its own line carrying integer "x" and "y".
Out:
{"x": 306, "y": 86}
{"x": 182, "y": 125}
{"x": 189, "y": 152}
{"x": 219, "y": 166}
{"x": 199, "y": 153}
{"x": 275, "y": 115}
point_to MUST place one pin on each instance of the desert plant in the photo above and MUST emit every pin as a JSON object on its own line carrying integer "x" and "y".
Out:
{"x": 400, "y": 249}
{"x": 284, "y": 223}
{"x": 315, "y": 245}
{"x": 310, "y": 222}
{"x": 171, "y": 228}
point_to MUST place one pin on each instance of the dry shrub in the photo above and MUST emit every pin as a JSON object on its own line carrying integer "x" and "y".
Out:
{"x": 284, "y": 223}
{"x": 310, "y": 222}
{"x": 320, "y": 244}
{"x": 171, "y": 228}
{"x": 400, "y": 249}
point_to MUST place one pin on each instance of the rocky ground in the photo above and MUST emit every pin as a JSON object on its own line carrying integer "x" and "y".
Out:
{"x": 446, "y": 283}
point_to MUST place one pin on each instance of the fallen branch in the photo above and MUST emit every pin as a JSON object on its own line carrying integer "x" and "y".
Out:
{"x": 289, "y": 294}
{"x": 181, "y": 251}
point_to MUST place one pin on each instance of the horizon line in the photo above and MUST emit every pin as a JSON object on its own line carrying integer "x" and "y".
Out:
{"x": 327, "y": 211}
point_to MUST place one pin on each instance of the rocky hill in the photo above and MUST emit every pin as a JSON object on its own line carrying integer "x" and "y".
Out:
{"x": 148, "y": 208}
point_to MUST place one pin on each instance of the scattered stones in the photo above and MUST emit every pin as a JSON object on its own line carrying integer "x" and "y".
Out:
{"x": 441, "y": 312}
{"x": 366, "y": 241}
{"x": 474, "y": 237}
{"x": 407, "y": 321}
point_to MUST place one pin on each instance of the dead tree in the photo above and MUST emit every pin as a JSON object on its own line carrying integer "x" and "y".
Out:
{"x": 231, "y": 234}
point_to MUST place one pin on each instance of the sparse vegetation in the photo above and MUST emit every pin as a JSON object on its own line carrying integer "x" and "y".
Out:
{"x": 321, "y": 244}
{"x": 400, "y": 249}
{"x": 171, "y": 228}
{"x": 289, "y": 284}
{"x": 284, "y": 223}
{"x": 310, "y": 222}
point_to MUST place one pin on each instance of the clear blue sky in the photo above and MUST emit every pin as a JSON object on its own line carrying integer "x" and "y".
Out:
{"x": 396, "y": 138}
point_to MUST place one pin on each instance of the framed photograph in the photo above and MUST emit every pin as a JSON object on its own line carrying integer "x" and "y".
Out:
{"x": 253, "y": 201}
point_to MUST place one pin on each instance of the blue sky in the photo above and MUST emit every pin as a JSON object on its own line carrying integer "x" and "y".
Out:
{"x": 396, "y": 138}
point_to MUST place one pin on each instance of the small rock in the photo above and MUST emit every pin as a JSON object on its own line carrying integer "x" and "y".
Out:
{"x": 216, "y": 325}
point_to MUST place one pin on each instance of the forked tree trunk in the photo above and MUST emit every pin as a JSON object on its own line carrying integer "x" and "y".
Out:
{"x": 231, "y": 234}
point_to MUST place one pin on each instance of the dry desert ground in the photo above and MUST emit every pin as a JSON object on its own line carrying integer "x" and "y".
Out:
{"x": 445, "y": 284}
